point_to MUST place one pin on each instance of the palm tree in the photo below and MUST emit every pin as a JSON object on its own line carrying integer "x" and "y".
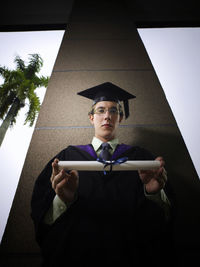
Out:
{"x": 18, "y": 90}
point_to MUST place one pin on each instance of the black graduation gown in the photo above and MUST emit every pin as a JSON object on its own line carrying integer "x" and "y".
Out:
{"x": 111, "y": 223}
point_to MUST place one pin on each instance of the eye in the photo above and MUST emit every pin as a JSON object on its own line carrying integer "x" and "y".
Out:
{"x": 100, "y": 110}
{"x": 113, "y": 110}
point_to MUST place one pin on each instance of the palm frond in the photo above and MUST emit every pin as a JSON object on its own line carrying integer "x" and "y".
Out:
{"x": 41, "y": 81}
{"x": 20, "y": 63}
{"x": 34, "y": 66}
{"x": 34, "y": 106}
{"x": 5, "y": 73}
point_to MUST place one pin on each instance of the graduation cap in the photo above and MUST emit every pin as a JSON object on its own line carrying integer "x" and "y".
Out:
{"x": 108, "y": 92}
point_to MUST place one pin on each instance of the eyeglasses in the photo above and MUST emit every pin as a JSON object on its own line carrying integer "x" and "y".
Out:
{"x": 101, "y": 110}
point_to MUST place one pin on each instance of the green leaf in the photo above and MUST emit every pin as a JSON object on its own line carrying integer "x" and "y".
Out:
{"x": 20, "y": 84}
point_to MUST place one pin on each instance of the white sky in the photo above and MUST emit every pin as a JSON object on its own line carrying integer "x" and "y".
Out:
{"x": 15, "y": 145}
{"x": 175, "y": 55}
{"x": 176, "y": 59}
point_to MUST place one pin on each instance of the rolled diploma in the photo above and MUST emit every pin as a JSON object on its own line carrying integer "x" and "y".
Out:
{"x": 129, "y": 165}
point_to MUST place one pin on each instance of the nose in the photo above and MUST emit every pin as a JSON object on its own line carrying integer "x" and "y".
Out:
{"x": 107, "y": 115}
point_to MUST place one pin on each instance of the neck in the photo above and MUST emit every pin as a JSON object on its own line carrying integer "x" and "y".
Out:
{"x": 105, "y": 138}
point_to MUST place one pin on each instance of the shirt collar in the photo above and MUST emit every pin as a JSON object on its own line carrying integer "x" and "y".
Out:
{"x": 96, "y": 143}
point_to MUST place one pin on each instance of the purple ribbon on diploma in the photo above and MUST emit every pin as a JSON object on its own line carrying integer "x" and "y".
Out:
{"x": 111, "y": 162}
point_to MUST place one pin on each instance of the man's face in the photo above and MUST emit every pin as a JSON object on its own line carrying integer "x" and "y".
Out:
{"x": 105, "y": 120}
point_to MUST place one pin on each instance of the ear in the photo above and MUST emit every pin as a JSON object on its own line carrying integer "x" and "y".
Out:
{"x": 91, "y": 118}
{"x": 120, "y": 118}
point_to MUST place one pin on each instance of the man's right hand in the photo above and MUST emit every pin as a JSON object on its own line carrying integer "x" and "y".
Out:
{"x": 64, "y": 184}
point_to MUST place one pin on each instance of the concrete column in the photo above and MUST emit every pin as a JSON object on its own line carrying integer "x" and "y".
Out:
{"x": 102, "y": 44}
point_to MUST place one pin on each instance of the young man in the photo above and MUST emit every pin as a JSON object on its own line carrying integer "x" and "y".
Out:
{"x": 88, "y": 218}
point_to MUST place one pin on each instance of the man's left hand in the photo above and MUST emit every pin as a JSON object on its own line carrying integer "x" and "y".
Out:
{"x": 154, "y": 180}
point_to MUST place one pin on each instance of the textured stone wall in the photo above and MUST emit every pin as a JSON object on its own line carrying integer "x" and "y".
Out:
{"x": 102, "y": 44}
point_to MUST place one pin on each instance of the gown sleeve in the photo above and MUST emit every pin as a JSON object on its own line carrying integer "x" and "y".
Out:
{"x": 42, "y": 197}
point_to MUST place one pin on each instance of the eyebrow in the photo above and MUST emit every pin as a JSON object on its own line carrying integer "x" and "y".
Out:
{"x": 109, "y": 108}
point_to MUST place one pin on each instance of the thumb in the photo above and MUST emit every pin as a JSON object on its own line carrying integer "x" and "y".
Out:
{"x": 55, "y": 168}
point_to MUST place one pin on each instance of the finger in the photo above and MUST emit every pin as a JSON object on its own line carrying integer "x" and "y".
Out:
{"x": 161, "y": 182}
{"x": 64, "y": 191}
{"x": 162, "y": 172}
{"x": 162, "y": 178}
{"x": 60, "y": 185}
{"x": 73, "y": 178}
{"x": 55, "y": 168}
{"x": 58, "y": 178}
{"x": 74, "y": 174}
{"x": 146, "y": 176}
{"x": 146, "y": 172}
{"x": 164, "y": 175}
{"x": 162, "y": 162}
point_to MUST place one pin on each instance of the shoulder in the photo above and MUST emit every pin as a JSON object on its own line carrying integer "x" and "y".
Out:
{"x": 68, "y": 151}
{"x": 76, "y": 152}
{"x": 138, "y": 152}
{"x": 72, "y": 148}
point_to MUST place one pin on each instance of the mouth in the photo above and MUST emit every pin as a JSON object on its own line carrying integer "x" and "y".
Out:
{"x": 107, "y": 125}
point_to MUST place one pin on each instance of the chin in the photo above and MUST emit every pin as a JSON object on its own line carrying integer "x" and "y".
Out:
{"x": 108, "y": 136}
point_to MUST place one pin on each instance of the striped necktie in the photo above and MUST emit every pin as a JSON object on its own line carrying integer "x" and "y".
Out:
{"x": 105, "y": 154}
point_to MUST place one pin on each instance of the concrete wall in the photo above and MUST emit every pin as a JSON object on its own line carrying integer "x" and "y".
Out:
{"x": 102, "y": 44}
